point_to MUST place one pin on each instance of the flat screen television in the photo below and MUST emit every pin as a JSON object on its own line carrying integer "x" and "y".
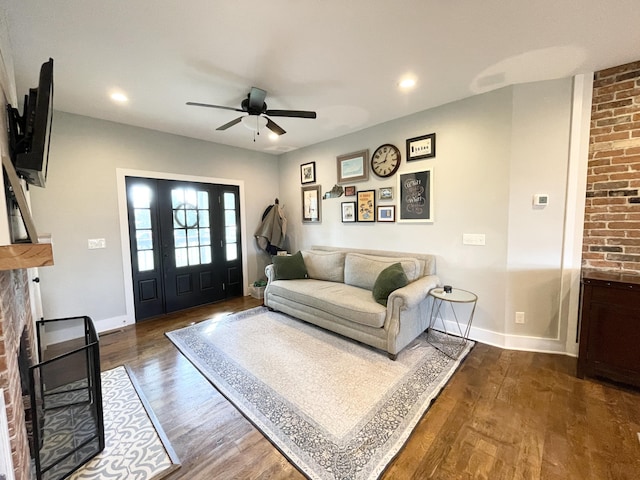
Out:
{"x": 29, "y": 133}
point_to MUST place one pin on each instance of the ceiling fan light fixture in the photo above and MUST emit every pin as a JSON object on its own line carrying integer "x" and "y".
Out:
{"x": 254, "y": 122}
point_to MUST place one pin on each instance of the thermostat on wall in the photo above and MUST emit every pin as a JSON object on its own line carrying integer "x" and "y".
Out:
{"x": 541, "y": 199}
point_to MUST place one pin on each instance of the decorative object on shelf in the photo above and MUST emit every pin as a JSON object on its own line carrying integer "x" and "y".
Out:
{"x": 308, "y": 172}
{"x": 387, "y": 213}
{"x": 335, "y": 192}
{"x": 385, "y": 161}
{"x": 385, "y": 193}
{"x": 311, "y": 204}
{"x": 415, "y": 190}
{"x": 367, "y": 206}
{"x": 350, "y": 191}
{"x": 348, "y": 212}
{"x": 353, "y": 167}
{"x": 422, "y": 147}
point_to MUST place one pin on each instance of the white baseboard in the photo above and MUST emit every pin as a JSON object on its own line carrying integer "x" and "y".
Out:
{"x": 104, "y": 325}
{"x": 512, "y": 342}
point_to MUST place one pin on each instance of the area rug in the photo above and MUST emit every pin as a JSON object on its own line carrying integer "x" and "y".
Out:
{"x": 335, "y": 408}
{"x": 135, "y": 445}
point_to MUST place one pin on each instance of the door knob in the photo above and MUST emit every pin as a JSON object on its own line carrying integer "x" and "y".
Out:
{"x": 36, "y": 279}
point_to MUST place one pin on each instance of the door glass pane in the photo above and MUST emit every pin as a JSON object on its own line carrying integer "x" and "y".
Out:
{"x": 232, "y": 251}
{"x": 203, "y": 218}
{"x": 179, "y": 218}
{"x": 192, "y": 238}
{"x": 190, "y": 198}
{"x": 144, "y": 240}
{"x": 181, "y": 257}
{"x": 229, "y": 217}
{"x": 180, "y": 238}
{"x": 192, "y": 218}
{"x": 229, "y": 201}
{"x": 230, "y": 234}
{"x": 205, "y": 254}
{"x": 203, "y": 199}
{"x": 145, "y": 260}
{"x": 194, "y": 255}
{"x": 205, "y": 236}
{"x": 177, "y": 197}
{"x": 142, "y": 217}
{"x": 141, "y": 196}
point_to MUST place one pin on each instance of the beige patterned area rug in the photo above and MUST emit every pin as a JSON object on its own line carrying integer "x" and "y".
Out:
{"x": 135, "y": 445}
{"x": 335, "y": 408}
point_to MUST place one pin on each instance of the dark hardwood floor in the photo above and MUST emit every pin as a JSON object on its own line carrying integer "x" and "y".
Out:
{"x": 503, "y": 415}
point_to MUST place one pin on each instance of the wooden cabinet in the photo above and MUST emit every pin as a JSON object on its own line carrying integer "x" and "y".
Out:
{"x": 610, "y": 327}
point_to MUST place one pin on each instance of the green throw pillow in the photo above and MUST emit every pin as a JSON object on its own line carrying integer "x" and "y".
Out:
{"x": 289, "y": 267}
{"x": 390, "y": 279}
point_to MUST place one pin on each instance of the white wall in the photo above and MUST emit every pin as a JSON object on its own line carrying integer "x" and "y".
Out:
{"x": 80, "y": 202}
{"x": 494, "y": 151}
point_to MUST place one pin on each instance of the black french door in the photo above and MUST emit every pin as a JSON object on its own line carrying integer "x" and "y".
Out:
{"x": 185, "y": 244}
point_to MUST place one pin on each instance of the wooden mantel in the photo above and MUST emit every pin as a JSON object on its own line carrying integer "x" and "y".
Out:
{"x": 25, "y": 255}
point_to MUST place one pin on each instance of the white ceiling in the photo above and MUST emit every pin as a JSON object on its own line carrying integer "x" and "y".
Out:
{"x": 341, "y": 58}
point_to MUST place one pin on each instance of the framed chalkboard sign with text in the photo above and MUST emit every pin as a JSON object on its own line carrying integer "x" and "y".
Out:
{"x": 415, "y": 189}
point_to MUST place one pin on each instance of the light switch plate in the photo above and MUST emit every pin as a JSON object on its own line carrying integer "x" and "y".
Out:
{"x": 97, "y": 243}
{"x": 473, "y": 239}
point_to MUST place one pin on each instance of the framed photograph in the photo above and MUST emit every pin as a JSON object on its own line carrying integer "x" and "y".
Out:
{"x": 421, "y": 147}
{"x": 350, "y": 191}
{"x": 311, "y": 204}
{"x": 348, "y": 212}
{"x": 387, "y": 213}
{"x": 415, "y": 194}
{"x": 308, "y": 173}
{"x": 367, "y": 206}
{"x": 385, "y": 193}
{"x": 353, "y": 167}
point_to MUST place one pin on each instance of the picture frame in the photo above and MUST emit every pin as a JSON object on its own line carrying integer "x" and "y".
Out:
{"x": 348, "y": 212}
{"x": 366, "y": 206}
{"x": 311, "y": 204}
{"x": 353, "y": 167}
{"x": 385, "y": 193}
{"x": 422, "y": 147}
{"x": 308, "y": 173}
{"x": 386, "y": 213}
{"x": 350, "y": 191}
{"x": 415, "y": 196}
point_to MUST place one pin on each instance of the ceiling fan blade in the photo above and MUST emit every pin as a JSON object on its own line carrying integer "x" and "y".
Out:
{"x": 274, "y": 127}
{"x": 230, "y": 124}
{"x": 291, "y": 113}
{"x": 196, "y": 104}
{"x": 256, "y": 99}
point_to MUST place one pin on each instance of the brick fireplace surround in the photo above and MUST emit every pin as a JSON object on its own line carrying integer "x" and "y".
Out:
{"x": 15, "y": 317}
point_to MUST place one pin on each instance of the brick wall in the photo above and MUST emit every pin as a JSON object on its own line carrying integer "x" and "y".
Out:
{"x": 612, "y": 216}
{"x": 15, "y": 316}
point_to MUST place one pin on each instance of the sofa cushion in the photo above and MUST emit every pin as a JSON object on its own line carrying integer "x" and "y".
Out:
{"x": 362, "y": 270}
{"x": 323, "y": 265}
{"x": 344, "y": 301}
{"x": 390, "y": 279}
{"x": 289, "y": 267}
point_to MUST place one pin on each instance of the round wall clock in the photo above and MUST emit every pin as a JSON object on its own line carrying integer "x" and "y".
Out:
{"x": 385, "y": 160}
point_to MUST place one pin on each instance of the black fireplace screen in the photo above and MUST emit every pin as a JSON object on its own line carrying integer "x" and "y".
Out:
{"x": 66, "y": 397}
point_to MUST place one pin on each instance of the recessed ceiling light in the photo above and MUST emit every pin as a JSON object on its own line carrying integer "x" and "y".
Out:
{"x": 119, "y": 97}
{"x": 407, "y": 83}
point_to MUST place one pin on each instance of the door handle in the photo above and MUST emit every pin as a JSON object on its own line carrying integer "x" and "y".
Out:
{"x": 35, "y": 279}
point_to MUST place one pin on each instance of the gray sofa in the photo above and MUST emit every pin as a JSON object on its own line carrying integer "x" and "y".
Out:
{"x": 338, "y": 295}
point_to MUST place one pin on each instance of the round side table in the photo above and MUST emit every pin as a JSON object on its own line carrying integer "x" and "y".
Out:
{"x": 451, "y": 343}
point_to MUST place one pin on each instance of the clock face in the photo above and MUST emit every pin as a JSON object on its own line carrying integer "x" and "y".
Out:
{"x": 385, "y": 160}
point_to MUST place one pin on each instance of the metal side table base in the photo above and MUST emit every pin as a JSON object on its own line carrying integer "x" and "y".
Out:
{"x": 450, "y": 341}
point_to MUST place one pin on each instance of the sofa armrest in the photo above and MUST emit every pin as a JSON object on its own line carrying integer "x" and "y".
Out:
{"x": 412, "y": 294}
{"x": 268, "y": 270}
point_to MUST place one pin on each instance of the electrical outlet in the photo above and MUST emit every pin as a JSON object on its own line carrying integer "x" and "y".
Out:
{"x": 97, "y": 243}
{"x": 519, "y": 317}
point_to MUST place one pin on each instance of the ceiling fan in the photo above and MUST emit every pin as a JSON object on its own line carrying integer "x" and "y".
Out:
{"x": 255, "y": 106}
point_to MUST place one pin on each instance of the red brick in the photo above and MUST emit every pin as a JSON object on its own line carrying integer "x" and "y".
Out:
{"x": 614, "y": 87}
{"x": 631, "y": 93}
{"x": 627, "y": 159}
{"x": 618, "y": 104}
{"x": 609, "y": 169}
{"x": 611, "y": 137}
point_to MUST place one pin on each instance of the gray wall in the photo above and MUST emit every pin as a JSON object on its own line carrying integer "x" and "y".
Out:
{"x": 494, "y": 151}
{"x": 80, "y": 202}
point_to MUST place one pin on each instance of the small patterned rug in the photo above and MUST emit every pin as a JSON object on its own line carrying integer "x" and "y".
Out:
{"x": 335, "y": 408}
{"x": 135, "y": 445}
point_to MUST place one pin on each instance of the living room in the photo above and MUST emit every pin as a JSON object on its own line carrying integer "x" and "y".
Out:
{"x": 496, "y": 149}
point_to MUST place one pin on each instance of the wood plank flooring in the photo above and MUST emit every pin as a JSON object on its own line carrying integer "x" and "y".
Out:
{"x": 503, "y": 415}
